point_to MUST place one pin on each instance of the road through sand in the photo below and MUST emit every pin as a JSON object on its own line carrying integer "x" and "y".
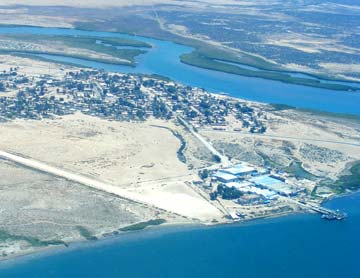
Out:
{"x": 71, "y": 176}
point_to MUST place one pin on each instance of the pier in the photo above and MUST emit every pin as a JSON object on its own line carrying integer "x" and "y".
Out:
{"x": 329, "y": 214}
{"x": 326, "y": 213}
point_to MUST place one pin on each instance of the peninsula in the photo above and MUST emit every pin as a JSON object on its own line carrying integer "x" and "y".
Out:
{"x": 87, "y": 154}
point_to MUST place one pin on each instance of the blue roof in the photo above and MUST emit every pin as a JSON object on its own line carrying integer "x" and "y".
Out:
{"x": 265, "y": 180}
{"x": 239, "y": 169}
{"x": 225, "y": 176}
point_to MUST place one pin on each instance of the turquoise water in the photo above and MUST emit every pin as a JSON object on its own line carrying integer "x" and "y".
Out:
{"x": 293, "y": 246}
{"x": 296, "y": 246}
{"x": 163, "y": 59}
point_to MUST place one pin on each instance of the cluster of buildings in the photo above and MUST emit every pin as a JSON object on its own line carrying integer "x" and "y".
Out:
{"x": 256, "y": 184}
{"x": 117, "y": 97}
{"x": 201, "y": 108}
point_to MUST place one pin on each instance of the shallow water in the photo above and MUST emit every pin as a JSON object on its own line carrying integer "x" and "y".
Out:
{"x": 292, "y": 246}
{"x": 163, "y": 59}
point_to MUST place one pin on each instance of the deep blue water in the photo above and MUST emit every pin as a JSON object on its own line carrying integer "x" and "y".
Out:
{"x": 294, "y": 246}
{"x": 163, "y": 59}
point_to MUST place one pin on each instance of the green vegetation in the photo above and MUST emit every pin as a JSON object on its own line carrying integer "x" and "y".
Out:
{"x": 280, "y": 107}
{"x": 227, "y": 56}
{"x": 121, "y": 42}
{"x": 35, "y": 242}
{"x": 85, "y": 233}
{"x": 349, "y": 182}
{"x": 113, "y": 47}
{"x": 216, "y": 158}
{"x": 203, "y": 60}
{"x": 81, "y": 41}
{"x": 142, "y": 225}
{"x": 180, "y": 151}
{"x": 208, "y": 56}
{"x": 204, "y": 55}
{"x": 129, "y": 23}
{"x": 204, "y": 174}
{"x": 228, "y": 193}
{"x": 269, "y": 162}
{"x": 93, "y": 43}
{"x": 296, "y": 169}
{"x": 43, "y": 59}
{"x": 330, "y": 114}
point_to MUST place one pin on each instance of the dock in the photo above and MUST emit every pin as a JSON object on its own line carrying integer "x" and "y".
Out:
{"x": 327, "y": 214}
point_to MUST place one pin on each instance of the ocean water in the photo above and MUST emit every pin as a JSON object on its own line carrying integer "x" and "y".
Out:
{"x": 292, "y": 246}
{"x": 163, "y": 59}
{"x": 295, "y": 246}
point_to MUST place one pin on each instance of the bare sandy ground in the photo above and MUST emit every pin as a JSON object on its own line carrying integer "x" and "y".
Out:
{"x": 324, "y": 146}
{"x": 55, "y": 47}
{"x": 340, "y": 67}
{"x": 21, "y": 16}
{"x": 307, "y": 43}
{"x": 32, "y": 67}
{"x": 137, "y": 158}
{"x": 41, "y": 206}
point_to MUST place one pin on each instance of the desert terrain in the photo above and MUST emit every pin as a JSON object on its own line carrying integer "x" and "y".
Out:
{"x": 138, "y": 157}
{"x": 142, "y": 175}
{"x": 325, "y": 146}
{"x": 39, "y": 211}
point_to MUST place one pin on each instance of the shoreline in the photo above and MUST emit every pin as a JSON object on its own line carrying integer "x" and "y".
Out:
{"x": 151, "y": 232}
{"x": 282, "y": 75}
{"x": 134, "y": 235}
{"x": 85, "y": 243}
{"x": 177, "y": 226}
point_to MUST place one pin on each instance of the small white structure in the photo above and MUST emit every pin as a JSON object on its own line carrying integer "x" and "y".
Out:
{"x": 234, "y": 216}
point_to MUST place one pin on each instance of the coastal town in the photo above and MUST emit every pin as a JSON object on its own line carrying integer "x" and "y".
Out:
{"x": 240, "y": 190}
{"x": 167, "y": 138}
{"x": 119, "y": 97}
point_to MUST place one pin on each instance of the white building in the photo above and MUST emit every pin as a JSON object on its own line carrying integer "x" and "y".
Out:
{"x": 240, "y": 170}
{"x": 225, "y": 177}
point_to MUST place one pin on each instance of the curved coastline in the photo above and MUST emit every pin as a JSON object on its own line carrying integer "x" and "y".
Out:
{"x": 154, "y": 232}
{"x": 238, "y": 238}
{"x": 163, "y": 59}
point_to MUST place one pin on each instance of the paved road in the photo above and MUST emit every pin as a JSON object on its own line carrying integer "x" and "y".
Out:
{"x": 224, "y": 159}
{"x": 92, "y": 183}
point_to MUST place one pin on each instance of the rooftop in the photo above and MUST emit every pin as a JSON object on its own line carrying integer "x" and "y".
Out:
{"x": 225, "y": 176}
{"x": 273, "y": 184}
{"x": 239, "y": 169}
{"x": 265, "y": 180}
{"x": 239, "y": 185}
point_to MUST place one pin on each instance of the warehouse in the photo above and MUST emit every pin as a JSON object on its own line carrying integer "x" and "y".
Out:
{"x": 239, "y": 185}
{"x": 275, "y": 185}
{"x": 225, "y": 177}
{"x": 240, "y": 170}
